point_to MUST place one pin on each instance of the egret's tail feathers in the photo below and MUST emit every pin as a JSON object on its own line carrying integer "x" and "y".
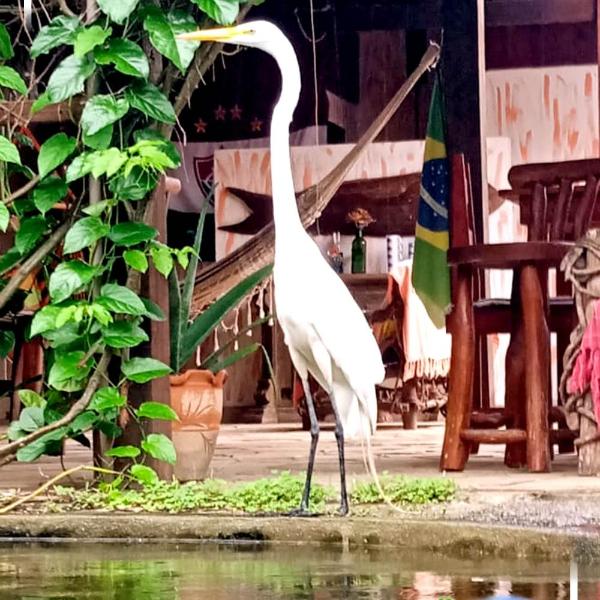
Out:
{"x": 358, "y": 415}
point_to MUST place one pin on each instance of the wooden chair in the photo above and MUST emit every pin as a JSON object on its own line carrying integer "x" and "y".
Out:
{"x": 557, "y": 201}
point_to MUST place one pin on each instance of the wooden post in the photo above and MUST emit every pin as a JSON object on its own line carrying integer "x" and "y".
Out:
{"x": 463, "y": 70}
{"x": 155, "y": 287}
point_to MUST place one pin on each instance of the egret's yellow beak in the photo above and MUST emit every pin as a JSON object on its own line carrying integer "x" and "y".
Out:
{"x": 221, "y": 34}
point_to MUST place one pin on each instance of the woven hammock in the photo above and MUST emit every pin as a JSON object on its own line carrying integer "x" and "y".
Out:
{"x": 257, "y": 252}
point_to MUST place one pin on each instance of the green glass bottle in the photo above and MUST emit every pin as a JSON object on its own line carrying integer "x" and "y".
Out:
{"x": 359, "y": 252}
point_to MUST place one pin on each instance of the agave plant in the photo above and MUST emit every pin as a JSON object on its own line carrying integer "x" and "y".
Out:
{"x": 187, "y": 333}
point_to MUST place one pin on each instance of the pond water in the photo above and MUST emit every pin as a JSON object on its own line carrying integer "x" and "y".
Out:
{"x": 238, "y": 572}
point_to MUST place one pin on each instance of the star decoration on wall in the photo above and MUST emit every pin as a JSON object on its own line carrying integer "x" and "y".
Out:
{"x": 220, "y": 113}
{"x": 236, "y": 113}
{"x": 256, "y": 125}
{"x": 200, "y": 126}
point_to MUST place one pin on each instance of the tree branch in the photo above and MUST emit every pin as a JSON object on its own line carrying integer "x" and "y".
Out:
{"x": 22, "y": 190}
{"x": 75, "y": 410}
{"x": 33, "y": 261}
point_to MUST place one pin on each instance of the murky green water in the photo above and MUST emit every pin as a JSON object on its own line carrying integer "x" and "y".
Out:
{"x": 239, "y": 572}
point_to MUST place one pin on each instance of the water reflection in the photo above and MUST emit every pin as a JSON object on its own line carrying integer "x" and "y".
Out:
{"x": 234, "y": 572}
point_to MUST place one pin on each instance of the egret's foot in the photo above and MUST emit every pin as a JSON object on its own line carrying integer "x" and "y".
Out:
{"x": 301, "y": 512}
{"x": 344, "y": 509}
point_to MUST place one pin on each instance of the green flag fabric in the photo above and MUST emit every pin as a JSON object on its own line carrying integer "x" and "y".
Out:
{"x": 431, "y": 274}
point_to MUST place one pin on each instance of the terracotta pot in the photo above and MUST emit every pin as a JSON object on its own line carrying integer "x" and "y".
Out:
{"x": 197, "y": 398}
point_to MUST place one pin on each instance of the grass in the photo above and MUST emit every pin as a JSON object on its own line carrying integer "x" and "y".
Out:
{"x": 278, "y": 493}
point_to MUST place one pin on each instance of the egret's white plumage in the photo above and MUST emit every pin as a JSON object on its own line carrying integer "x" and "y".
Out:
{"x": 326, "y": 332}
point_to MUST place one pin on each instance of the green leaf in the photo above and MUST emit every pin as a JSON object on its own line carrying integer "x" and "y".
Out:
{"x": 205, "y": 323}
{"x": 51, "y": 443}
{"x": 9, "y": 259}
{"x": 83, "y": 422}
{"x": 120, "y": 299}
{"x": 54, "y": 152}
{"x": 100, "y": 140}
{"x": 124, "y": 452}
{"x": 156, "y": 410}
{"x": 144, "y": 474}
{"x": 107, "y": 398}
{"x": 126, "y": 56}
{"x": 68, "y": 278}
{"x": 101, "y": 111}
{"x": 149, "y": 100}
{"x": 136, "y": 259}
{"x": 167, "y": 146}
{"x": 159, "y": 446}
{"x": 30, "y": 231}
{"x": 153, "y": 311}
{"x": 8, "y": 151}
{"x": 85, "y": 233}
{"x": 69, "y": 78}
{"x": 135, "y": 186}
{"x": 163, "y": 29}
{"x": 31, "y": 418}
{"x": 67, "y": 374}
{"x": 61, "y": 30}
{"x": 80, "y": 167}
{"x": 6, "y": 49}
{"x": 7, "y": 343}
{"x": 142, "y": 370}
{"x": 131, "y": 233}
{"x": 118, "y": 10}
{"x": 31, "y": 398}
{"x": 123, "y": 334}
{"x": 44, "y": 320}
{"x": 4, "y": 217}
{"x": 224, "y": 12}
{"x": 162, "y": 258}
{"x": 87, "y": 39}
{"x": 218, "y": 365}
{"x": 9, "y": 78}
{"x": 96, "y": 209}
{"x": 41, "y": 102}
{"x": 48, "y": 192}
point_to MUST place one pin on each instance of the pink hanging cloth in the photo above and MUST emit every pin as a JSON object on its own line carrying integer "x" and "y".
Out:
{"x": 586, "y": 372}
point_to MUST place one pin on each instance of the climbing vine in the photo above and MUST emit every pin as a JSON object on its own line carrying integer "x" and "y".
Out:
{"x": 76, "y": 205}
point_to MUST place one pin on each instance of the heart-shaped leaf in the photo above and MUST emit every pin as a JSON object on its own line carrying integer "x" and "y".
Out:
{"x": 8, "y": 151}
{"x": 6, "y": 49}
{"x": 223, "y": 12}
{"x": 159, "y": 446}
{"x": 106, "y": 398}
{"x": 123, "y": 334}
{"x": 69, "y": 371}
{"x": 48, "y": 192}
{"x": 156, "y": 410}
{"x": 136, "y": 259}
{"x": 54, "y": 152}
{"x": 69, "y": 278}
{"x": 118, "y": 10}
{"x": 61, "y": 30}
{"x": 102, "y": 110}
{"x": 69, "y": 78}
{"x": 120, "y": 299}
{"x": 142, "y": 370}
{"x": 87, "y": 39}
{"x": 85, "y": 233}
{"x": 126, "y": 56}
{"x": 149, "y": 100}
{"x": 9, "y": 78}
{"x": 30, "y": 231}
{"x": 124, "y": 452}
{"x": 131, "y": 233}
{"x": 145, "y": 475}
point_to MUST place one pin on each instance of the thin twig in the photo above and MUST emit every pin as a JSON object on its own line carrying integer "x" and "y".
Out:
{"x": 6, "y": 509}
{"x": 76, "y": 409}
{"x": 22, "y": 190}
{"x": 22, "y": 272}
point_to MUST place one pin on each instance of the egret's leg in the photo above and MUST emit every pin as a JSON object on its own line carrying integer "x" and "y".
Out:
{"x": 339, "y": 436}
{"x": 314, "y": 438}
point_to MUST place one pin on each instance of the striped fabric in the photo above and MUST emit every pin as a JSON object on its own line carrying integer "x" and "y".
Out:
{"x": 431, "y": 275}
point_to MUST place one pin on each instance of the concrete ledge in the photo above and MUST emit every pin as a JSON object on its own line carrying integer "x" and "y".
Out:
{"x": 456, "y": 539}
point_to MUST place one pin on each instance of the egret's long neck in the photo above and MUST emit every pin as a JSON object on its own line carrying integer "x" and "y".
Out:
{"x": 285, "y": 211}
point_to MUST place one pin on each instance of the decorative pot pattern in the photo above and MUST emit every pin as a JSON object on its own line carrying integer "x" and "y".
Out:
{"x": 197, "y": 398}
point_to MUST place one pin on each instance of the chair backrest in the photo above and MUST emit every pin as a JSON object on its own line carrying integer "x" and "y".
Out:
{"x": 557, "y": 200}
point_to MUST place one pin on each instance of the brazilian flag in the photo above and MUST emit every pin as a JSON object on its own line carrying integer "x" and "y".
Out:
{"x": 431, "y": 274}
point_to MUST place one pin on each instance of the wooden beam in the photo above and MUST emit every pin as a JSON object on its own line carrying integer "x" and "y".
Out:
{"x": 20, "y": 112}
{"x": 463, "y": 70}
{"x": 426, "y": 14}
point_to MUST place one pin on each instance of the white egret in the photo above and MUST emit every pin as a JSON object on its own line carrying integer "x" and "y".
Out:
{"x": 326, "y": 332}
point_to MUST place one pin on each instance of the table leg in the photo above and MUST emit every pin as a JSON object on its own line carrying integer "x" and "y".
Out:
{"x": 455, "y": 451}
{"x": 537, "y": 349}
{"x": 515, "y": 455}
